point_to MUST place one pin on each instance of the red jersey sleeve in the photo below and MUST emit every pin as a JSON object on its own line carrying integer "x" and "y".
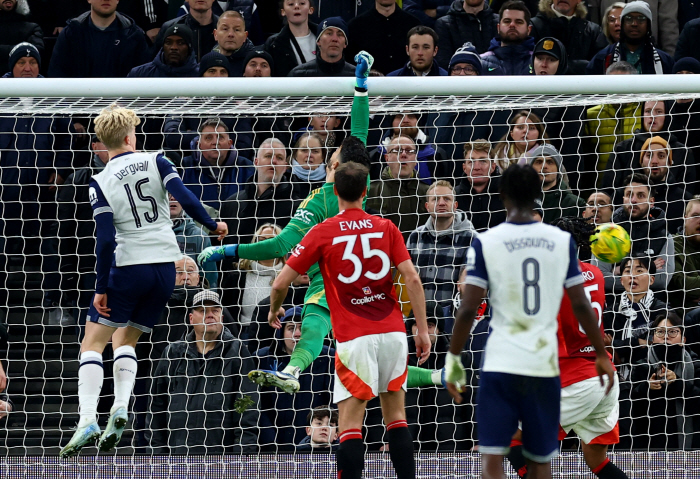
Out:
{"x": 307, "y": 252}
{"x": 399, "y": 253}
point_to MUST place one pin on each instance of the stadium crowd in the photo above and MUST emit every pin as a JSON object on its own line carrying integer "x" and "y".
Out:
{"x": 435, "y": 175}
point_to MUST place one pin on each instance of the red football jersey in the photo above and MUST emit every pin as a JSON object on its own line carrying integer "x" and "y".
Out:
{"x": 576, "y": 355}
{"x": 355, "y": 252}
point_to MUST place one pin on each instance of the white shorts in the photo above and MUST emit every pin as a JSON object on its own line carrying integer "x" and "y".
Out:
{"x": 589, "y": 412}
{"x": 369, "y": 365}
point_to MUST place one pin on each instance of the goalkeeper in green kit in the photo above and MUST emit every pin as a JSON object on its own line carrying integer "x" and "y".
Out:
{"x": 319, "y": 205}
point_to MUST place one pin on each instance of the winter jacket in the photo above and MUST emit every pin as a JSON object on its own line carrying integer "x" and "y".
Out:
{"x": 203, "y": 40}
{"x": 453, "y": 129}
{"x": 305, "y": 446}
{"x": 348, "y": 9}
{"x": 192, "y": 240}
{"x": 508, "y": 60}
{"x": 82, "y": 50}
{"x": 318, "y": 67}
{"x": 607, "y": 125}
{"x": 193, "y": 400}
{"x": 435, "y": 71}
{"x": 157, "y": 68}
{"x": 560, "y": 201}
{"x": 684, "y": 290}
{"x": 148, "y": 14}
{"x": 606, "y": 57}
{"x": 244, "y": 211}
{"x": 439, "y": 255}
{"x": 458, "y": 27}
{"x": 212, "y": 184}
{"x": 280, "y": 47}
{"x": 180, "y": 132}
{"x": 581, "y": 37}
{"x": 15, "y": 28}
{"x": 400, "y": 200}
{"x": 688, "y": 41}
{"x": 302, "y": 187}
{"x": 237, "y": 58}
{"x": 383, "y": 37}
{"x": 485, "y": 209}
{"x": 417, "y": 9}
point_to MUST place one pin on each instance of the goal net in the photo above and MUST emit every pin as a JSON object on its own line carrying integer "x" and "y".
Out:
{"x": 252, "y": 151}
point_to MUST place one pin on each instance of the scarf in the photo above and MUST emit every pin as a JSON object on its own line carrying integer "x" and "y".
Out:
{"x": 632, "y": 311}
{"x": 318, "y": 174}
{"x": 658, "y": 68}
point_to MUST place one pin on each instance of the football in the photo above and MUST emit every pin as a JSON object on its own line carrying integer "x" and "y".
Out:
{"x": 610, "y": 243}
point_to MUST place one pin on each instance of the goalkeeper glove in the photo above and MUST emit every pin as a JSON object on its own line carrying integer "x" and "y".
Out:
{"x": 217, "y": 253}
{"x": 454, "y": 371}
{"x": 364, "y": 62}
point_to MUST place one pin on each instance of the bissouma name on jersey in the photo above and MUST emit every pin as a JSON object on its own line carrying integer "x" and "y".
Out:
{"x": 522, "y": 243}
{"x": 131, "y": 169}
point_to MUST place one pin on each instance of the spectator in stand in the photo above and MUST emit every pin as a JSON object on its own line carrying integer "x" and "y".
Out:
{"x": 470, "y": 21}
{"x": 247, "y": 8}
{"x": 477, "y": 191}
{"x": 549, "y": 58}
{"x": 557, "y": 198}
{"x": 198, "y": 386}
{"x": 332, "y": 41}
{"x": 16, "y": 27}
{"x": 510, "y": 51}
{"x": 626, "y": 158}
{"x": 232, "y": 40}
{"x": 599, "y": 208}
{"x": 465, "y": 61}
{"x": 295, "y": 44}
{"x": 327, "y": 126}
{"x": 258, "y": 64}
{"x": 636, "y": 45}
{"x": 214, "y": 171}
{"x": 265, "y": 198}
{"x": 684, "y": 290}
{"x": 148, "y": 14}
{"x": 427, "y": 11}
{"x": 201, "y": 20}
{"x": 191, "y": 238}
{"x": 421, "y": 48}
{"x": 101, "y": 43}
{"x": 322, "y": 433}
{"x": 399, "y": 195}
{"x": 646, "y": 226}
{"x": 612, "y": 22}
{"x": 283, "y": 418}
{"x": 685, "y": 112}
{"x": 566, "y": 21}
{"x": 381, "y": 32}
{"x": 667, "y": 389}
{"x": 24, "y": 62}
{"x": 214, "y": 64}
{"x": 439, "y": 247}
{"x": 345, "y": 9}
{"x": 308, "y": 162}
{"x": 175, "y": 59}
{"x": 688, "y": 40}
{"x": 526, "y": 133}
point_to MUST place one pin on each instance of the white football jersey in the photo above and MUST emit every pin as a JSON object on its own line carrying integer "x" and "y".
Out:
{"x": 136, "y": 195}
{"x": 525, "y": 267}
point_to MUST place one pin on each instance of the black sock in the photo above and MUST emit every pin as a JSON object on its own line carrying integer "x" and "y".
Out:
{"x": 401, "y": 450}
{"x": 350, "y": 456}
{"x": 609, "y": 471}
{"x": 517, "y": 460}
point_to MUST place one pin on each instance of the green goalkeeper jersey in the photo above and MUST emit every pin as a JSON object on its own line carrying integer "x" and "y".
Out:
{"x": 321, "y": 204}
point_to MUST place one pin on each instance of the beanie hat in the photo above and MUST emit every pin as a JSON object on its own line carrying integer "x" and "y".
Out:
{"x": 333, "y": 22}
{"x": 214, "y": 59}
{"x": 466, "y": 54}
{"x": 553, "y": 47}
{"x": 688, "y": 64}
{"x": 260, "y": 54}
{"x": 638, "y": 6}
{"x": 543, "y": 151}
{"x": 658, "y": 141}
{"x": 22, "y": 50}
{"x": 182, "y": 31}
{"x": 291, "y": 314}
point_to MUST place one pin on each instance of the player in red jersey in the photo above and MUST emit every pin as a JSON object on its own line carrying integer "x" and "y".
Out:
{"x": 585, "y": 408}
{"x": 355, "y": 252}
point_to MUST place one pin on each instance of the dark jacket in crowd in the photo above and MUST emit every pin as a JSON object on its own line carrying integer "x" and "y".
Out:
{"x": 318, "y": 67}
{"x": 280, "y": 47}
{"x": 203, "y": 40}
{"x": 16, "y": 27}
{"x": 582, "y": 38}
{"x": 212, "y": 183}
{"x": 435, "y": 71}
{"x": 193, "y": 400}
{"x": 485, "y": 209}
{"x": 684, "y": 290}
{"x": 432, "y": 159}
{"x": 83, "y": 50}
{"x": 237, "y": 58}
{"x": 508, "y": 60}
{"x": 348, "y": 9}
{"x": 687, "y": 45}
{"x": 560, "y": 201}
{"x": 383, "y": 37}
{"x": 180, "y": 132}
{"x": 649, "y": 236}
{"x": 670, "y": 196}
{"x": 158, "y": 68}
{"x": 451, "y": 130}
{"x": 606, "y": 57}
{"x": 301, "y": 187}
{"x": 244, "y": 212}
{"x": 192, "y": 240}
{"x": 417, "y": 8}
{"x": 458, "y": 27}
{"x": 148, "y": 14}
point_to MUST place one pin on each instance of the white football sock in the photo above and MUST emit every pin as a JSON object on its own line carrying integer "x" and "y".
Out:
{"x": 293, "y": 370}
{"x": 90, "y": 377}
{"x": 436, "y": 377}
{"x": 124, "y": 376}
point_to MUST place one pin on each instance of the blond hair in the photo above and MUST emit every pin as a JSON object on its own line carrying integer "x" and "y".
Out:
{"x": 113, "y": 124}
{"x": 477, "y": 145}
{"x": 245, "y": 264}
{"x": 443, "y": 183}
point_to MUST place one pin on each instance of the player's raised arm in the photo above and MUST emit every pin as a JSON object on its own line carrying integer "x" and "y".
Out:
{"x": 416, "y": 295}
{"x": 359, "y": 116}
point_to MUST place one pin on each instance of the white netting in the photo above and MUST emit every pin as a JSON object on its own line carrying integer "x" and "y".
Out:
{"x": 185, "y": 404}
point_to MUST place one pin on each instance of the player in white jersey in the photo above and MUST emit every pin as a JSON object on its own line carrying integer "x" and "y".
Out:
{"x": 134, "y": 280}
{"x": 525, "y": 266}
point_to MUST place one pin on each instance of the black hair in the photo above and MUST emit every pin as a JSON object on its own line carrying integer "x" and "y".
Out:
{"x": 422, "y": 30}
{"x": 515, "y": 5}
{"x": 319, "y": 412}
{"x": 672, "y": 318}
{"x": 352, "y": 149}
{"x": 648, "y": 264}
{"x": 521, "y": 184}
{"x": 351, "y": 180}
{"x": 641, "y": 179}
{"x": 580, "y": 229}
